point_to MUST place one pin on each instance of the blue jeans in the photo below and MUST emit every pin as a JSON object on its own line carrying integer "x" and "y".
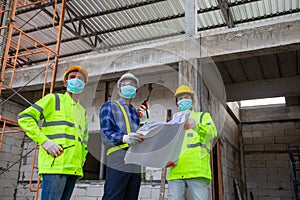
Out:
{"x": 198, "y": 188}
{"x": 57, "y": 186}
{"x": 121, "y": 185}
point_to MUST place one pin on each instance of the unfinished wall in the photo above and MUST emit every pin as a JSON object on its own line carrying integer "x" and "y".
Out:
{"x": 10, "y": 154}
{"x": 266, "y": 135}
{"x": 231, "y": 159}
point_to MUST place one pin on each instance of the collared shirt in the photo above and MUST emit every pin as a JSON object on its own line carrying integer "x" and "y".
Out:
{"x": 112, "y": 121}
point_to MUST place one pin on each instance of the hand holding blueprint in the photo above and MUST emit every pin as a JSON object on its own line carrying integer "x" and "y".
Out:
{"x": 162, "y": 142}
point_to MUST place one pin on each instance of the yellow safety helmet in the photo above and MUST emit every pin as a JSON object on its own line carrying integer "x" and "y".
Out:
{"x": 76, "y": 68}
{"x": 183, "y": 89}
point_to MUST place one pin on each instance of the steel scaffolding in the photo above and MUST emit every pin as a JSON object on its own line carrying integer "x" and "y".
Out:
{"x": 16, "y": 47}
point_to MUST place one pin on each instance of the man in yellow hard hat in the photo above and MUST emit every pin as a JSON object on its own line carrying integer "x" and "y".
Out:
{"x": 63, "y": 136}
{"x": 193, "y": 165}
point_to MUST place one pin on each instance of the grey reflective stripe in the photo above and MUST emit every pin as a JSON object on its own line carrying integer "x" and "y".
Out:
{"x": 58, "y": 123}
{"x": 201, "y": 117}
{"x": 24, "y": 116}
{"x": 40, "y": 109}
{"x": 62, "y": 135}
{"x": 57, "y": 102}
{"x": 198, "y": 145}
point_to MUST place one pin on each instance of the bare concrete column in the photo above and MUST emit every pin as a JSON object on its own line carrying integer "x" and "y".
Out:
{"x": 190, "y": 75}
{"x": 190, "y": 18}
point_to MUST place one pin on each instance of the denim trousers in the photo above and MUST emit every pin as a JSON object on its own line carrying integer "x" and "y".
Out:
{"x": 57, "y": 186}
{"x": 121, "y": 185}
{"x": 198, "y": 188}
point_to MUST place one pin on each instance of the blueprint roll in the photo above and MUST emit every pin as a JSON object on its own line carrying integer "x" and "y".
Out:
{"x": 162, "y": 143}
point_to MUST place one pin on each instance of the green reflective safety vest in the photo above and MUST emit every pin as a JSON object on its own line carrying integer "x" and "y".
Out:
{"x": 194, "y": 159}
{"x": 65, "y": 123}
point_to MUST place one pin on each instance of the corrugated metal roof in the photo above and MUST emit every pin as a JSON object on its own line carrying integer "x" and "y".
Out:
{"x": 105, "y": 25}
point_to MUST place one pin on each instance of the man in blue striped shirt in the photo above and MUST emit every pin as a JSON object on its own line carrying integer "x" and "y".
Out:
{"x": 119, "y": 122}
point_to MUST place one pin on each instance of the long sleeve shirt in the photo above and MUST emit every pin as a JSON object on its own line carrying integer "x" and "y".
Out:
{"x": 112, "y": 122}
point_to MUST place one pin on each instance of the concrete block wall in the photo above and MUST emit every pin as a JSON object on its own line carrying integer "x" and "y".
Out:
{"x": 10, "y": 154}
{"x": 231, "y": 169}
{"x": 94, "y": 191}
{"x": 26, "y": 164}
{"x": 23, "y": 192}
{"x": 268, "y": 173}
{"x": 17, "y": 147}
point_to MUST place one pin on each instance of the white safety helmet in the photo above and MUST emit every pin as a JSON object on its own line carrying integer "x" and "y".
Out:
{"x": 128, "y": 76}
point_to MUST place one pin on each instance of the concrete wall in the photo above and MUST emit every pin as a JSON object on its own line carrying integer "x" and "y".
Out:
{"x": 268, "y": 173}
{"x": 10, "y": 154}
{"x": 231, "y": 158}
{"x": 91, "y": 190}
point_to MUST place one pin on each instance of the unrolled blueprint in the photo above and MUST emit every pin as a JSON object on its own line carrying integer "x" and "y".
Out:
{"x": 162, "y": 142}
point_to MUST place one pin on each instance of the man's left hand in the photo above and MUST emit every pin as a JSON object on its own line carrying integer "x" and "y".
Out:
{"x": 143, "y": 112}
{"x": 170, "y": 164}
{"x": 190, "y": 123}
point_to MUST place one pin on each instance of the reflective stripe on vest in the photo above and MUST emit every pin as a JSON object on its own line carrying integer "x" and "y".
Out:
{"x": 58, "y": 123}
{"x": 62, "y": 135}
{"x": 39, "y": 109}
{"x": 198, "y": 144}
{"x": 57, "y": 102}
{"x": 121, "y": 146}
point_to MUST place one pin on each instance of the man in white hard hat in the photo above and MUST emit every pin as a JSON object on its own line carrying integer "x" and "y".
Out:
{"x": 119, "y": 121}
{"x": 63, "y": 136}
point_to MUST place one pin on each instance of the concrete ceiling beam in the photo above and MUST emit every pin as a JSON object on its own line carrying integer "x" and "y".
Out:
{"x": 266, "y": 38}
{"x": 288, "y": 86}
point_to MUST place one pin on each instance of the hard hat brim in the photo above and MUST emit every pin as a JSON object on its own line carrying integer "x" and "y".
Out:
{"x": 76, "y": 68}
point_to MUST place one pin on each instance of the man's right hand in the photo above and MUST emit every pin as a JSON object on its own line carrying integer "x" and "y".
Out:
{"x": 52, "y": 148}
{"x": 132, "y": 138}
